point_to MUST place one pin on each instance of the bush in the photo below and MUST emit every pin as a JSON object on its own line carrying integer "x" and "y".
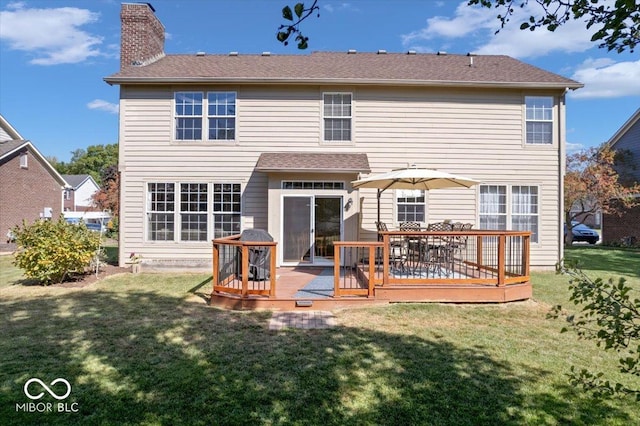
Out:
{"x": 50, "y": 251}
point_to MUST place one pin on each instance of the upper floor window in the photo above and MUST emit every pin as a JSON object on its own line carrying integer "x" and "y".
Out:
{"x": 222, "y": 115}
{"x": 337, "y": 116}
{"x": 410, "y": 205}
{"x": 539, "y": 118}
{"x": 188, "y": 115}
{"x": 190, "y": 123}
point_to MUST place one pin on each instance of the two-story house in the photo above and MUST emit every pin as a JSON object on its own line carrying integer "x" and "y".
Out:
{"x": 30, "y": 188}
{"x": 625, "y": 227}
{"x": 79, "y": 197}
{"x": 212, "y": 144}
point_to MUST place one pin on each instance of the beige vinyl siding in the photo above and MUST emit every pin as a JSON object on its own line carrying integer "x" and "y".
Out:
{"x": 477, "y": 133}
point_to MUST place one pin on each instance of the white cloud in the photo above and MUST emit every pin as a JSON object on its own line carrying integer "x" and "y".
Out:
{"x": 604, "y": 78}
{"x": 574, "y": 147}
{"x": 103, "y": 105}
{"x": 481, "y": 23}
{"x": 338, "y": 7}
{"x": 53, "y": 36}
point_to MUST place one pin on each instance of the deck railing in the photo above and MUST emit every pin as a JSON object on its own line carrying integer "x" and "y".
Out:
{"x": 245, "y": 268}
{"x": 487, "y": 258}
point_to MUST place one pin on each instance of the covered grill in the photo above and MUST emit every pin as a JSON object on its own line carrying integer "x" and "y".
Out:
{"x": 259, "y": 256}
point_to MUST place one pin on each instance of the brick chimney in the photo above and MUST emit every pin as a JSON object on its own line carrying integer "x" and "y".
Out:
{"x": 142, "y": 35}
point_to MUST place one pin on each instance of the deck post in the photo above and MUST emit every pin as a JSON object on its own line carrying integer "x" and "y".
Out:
{"x": 502, "y": 242}
{"x": 336, "y": 272}
{"x": 525, "y": 254}
{"x": 372, "y": 270}
{"x": 479, "y": 252}
{"x": 216, "y": 264}
{"x": 245, "y": 270}
{"x": 386, "y": 243}
{"x": 272, "y": 271}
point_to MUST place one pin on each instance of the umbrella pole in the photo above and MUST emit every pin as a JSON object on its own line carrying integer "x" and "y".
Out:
{"x": 379, "y": 193}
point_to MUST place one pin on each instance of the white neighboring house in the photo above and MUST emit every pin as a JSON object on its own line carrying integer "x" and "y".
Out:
{"x": 78, "y": 197}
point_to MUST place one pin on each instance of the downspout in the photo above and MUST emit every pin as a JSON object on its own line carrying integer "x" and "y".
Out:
{"x": 562, "y": 162}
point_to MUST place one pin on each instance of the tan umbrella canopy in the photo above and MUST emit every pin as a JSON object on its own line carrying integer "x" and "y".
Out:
{"x": 413, "y": 178}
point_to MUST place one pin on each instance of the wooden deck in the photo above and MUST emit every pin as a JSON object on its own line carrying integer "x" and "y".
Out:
{"x": 472, "y": 267}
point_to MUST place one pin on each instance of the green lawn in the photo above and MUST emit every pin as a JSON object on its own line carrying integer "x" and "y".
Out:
{"x": 146, "y": 349}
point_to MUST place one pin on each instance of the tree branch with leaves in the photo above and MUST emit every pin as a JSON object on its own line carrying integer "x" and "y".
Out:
{"x": 616, "y": 24}
{"x": 288, "y": 30}
{"x": 610, "y": 316}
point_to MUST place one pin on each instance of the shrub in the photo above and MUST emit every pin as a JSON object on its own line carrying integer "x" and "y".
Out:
{"x": 49, "y": 251}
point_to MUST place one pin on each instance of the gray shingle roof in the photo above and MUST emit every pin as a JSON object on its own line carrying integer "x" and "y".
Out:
{"x": 75, "y": 180}
{"x": 313, "y": 162}
{"x": 357, "y": 68}
{"x": 10, "y": 146}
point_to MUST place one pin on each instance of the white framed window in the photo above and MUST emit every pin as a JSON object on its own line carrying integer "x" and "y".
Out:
{"x": 337, "y": 116}
{"x": 190, "y": 122}
{"x": 227, "y": 209}
{"x": 514, "y": 207}
{"x": 221, "y": 115}
{"x": 524, "y": 209}
{"x": 539, "y": 120}
{"x": 410, "y": 205}
{"x": 493, "y": 207}
{"x": 24, "y": 161}
{"x": 161, "y": 207}
{"x": 313, "y": 184}
{"x": 67, "y": 194}
{"x": 193, "y": 212}
{"x": 188, "y": 115}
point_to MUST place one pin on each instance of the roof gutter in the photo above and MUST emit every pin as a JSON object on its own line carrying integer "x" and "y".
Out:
{"x": 333, "y": 81}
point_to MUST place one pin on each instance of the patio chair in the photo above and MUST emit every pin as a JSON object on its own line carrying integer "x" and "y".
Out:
{"x": 409, "y": 226}
{"x": 457, "y": 226}
{"x": 398, "y": 255}
{"x": 440, "y": 249}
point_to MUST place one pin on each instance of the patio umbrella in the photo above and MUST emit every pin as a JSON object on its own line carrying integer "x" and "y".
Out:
{"x": 413, "y": 178}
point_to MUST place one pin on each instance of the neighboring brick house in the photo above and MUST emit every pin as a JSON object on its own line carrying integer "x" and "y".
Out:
{"x": 78, "y": 198}
{"x": 30, "y": 188}
{"x": 212, "y": 144}
{"x": 616, "y": 228}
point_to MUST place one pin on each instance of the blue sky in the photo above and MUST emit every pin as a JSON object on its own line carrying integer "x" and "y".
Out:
{"x": 54, "y": 55}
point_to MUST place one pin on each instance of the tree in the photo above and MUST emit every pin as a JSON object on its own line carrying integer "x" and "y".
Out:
{"x": 610, "y": 317}
{"x": 108, "y": 196}
{"x": 591, "y": 183}
{"x": 617, "y": 25}
{"x": 91, "y": 161}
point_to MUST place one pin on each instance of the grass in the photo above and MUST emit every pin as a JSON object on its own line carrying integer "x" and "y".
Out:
{"x": 146, "y": 349}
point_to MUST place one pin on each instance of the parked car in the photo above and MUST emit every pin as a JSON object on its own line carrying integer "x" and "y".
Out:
{"x": 582, "y": 232}
{"x": 90, "y": 224}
